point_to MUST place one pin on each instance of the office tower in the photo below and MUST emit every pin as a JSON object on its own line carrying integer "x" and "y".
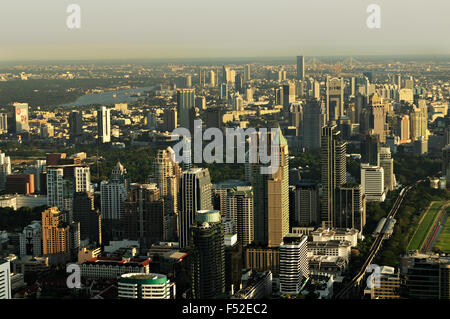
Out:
{"x": 63, "y": 181}
{"x": 145, "y": 286}
{"x": 170, "y": 121}
{"x": 377, "y": 119}
{"x": 385, "y": 284}
{"x": 21, "y": 117}
{"x": 144, "y": 215}
{"x": 223, "y": 91}
{"x": 370, "y": 149}
{"x": 240, "y": 210}
{"x": 335, "y": 98}
{"x": 55, "y": 232}
{"x": 425, "y": 276}
{"x": 112, "y": 196}
{"x": 314, "y": 118}
{"x": 296, "y": 116}
{"x": 350, "y": 210}
{"x": 31, "y": 240}
{"x": 151, "y": 120}
{"x": 333, "y": 170}
{"x": 47, "y": 131}
{"x": 233, "y": 263}
{"x": 20, "y": 184}
{"x": 372, "y": 181}
{"x": 183, "y": 82}
{"x": 88, "y": 217}
{"x": 214, "y": 117}
{"x": 104, "y": 125}
{"x": 249, "y": 94}
{"x": 166, "y": 175}
{"x": 404, "y": 129}
{"x": 186, "y": 110}
{"x": 398, "y": 81}
{"x": 239, "y": 83}
{"x": 75, "y": 124}
{"x": 5, "y": 169}
{"x": 3, "y": 123}
{"x": 271, "y": 194}
{"x": 300, "y": 68}
{"x": 387, "y": 163}
{"x": 194, "y": 195}
{"x": 5, "y": 279}
{"x": 247, "y": 73}
{"x": 208, "y": 255}
{"x": 419, "y": 123}
{"x": 212, "y": 78}
{"x": 306, "y": 204}
{"x": 294, "y": 269}
{"x": 238, "y": 103}
{"x": 282, "y": 75}
{"x": 226, "y": 75}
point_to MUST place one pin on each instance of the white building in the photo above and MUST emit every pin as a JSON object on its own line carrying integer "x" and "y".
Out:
{"x": 148, "y": 286}
{"x": 31, "y": 240}
{"x": 327, "y": 234}
{"x": 112, "y": 267}
{"x": 372, "y": 181}
{"x": 5, "y": 280}
{"x": 339, "y": 248}
{"x": 293, "y": 263}
{"x": 104, "y": 125}
{"x": 21, "y": 117}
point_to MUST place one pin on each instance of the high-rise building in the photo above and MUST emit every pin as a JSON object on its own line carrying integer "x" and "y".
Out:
{"x": 404, "y": 129}
{"x": 31, "y": 240}
{"x": 387, "y": 163}
{"x": 377, "y": 118}
{"x": 89, "y": 219}
{"x": 75, "y": 124}
{"x": 212, "y": 78}
{"x": 112, "y": 196}
{"x": 419, "y": 121}
{"x": 3, "y": 123}
{"x": 5, "y": 169}
{"x": 144, "y": 215}
{"x": 5, "y": 279}
{"x": 55, "y": 232}
{"x": 370, "y": 150}
{"x": 194, "y": 195}
{"x": 104, "y": 125}
{"x": 21, "y": 117}
{"x": 240, "y": 210}
{"x": 208, "y": 255}
{"x": 145, "y": 286}
{"x": 186, "y": 107}
{"x": 314, "y": 118}
{"x": 170, "y": 121}
{"x": 372, "y": 181}
{"x": 63, "y": 181}
{"x": 20, "y": 184}
{"x": 294, "y": 267}
{"x": 247, "y": 73}
{"x": 300, "y": 68}
{"x": 333, "y": 170}
{"x": 350, "y": 209}
{"x": 306, "y": 204}
{"x": 385, "y": 284}
{"x": 271, "y": 194}
{"x": 335, "y": 98}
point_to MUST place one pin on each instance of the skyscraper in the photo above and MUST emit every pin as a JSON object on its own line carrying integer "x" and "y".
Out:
{"x": 350, "y": 209}
{"x": 170, "y": 119}
{"x": 186, "y": 103}
{"x": 335, "y": 98}
{"x": 112, "y": 196}
{"x": 55, "y": 233}
{"x": 377, "y": 118}
{"x": 208, "y": 255}
{"x": 387, "y": 163}
{"x": 194, "y": 195}
{"x": 3, "y": 123}
{"x": 247, "y": 75}
{"x": 314, "y": 118}
{"x": 271, "y": 195}
{"x": 306, "y": 204}
{"x": 333, "y": 170}
{"x": 240, "y": 210}
{"x": 300, "y": 68}
{"x": 88, "y": 217}
{"x": 75, "y": 124}
{"x": 5, "y": 279}
{"x": 104, "y": 125}
{"x": 21, "y": 117}
{"x": 293, "y": 263}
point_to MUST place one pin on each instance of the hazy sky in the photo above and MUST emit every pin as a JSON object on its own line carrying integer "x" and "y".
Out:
{"x": 111, "y": 29}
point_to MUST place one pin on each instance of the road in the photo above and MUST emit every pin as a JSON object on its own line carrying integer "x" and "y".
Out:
{"x": 375, "y": 247}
